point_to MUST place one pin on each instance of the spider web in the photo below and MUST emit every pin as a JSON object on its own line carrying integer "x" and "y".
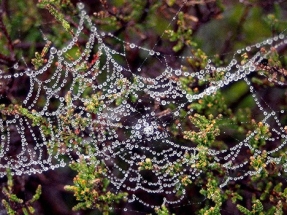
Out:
{"x": 124, "y": 134}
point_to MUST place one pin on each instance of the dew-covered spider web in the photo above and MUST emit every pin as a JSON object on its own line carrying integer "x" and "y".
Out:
{"x": 133, "y": 120}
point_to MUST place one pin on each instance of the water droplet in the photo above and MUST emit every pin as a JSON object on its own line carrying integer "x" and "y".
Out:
{"x": 16, "y": 66}
{"x": 119, "y": 68}
{"x": 29, "y": 72}
{"x": 132, "y": 46}
{"x": 252, "y": 68}
{"x": 178, "y": 72}
{"x": 80, "y": 6}
{"x": 151, "y": 52}
{"x": 53, "y": 50}
{"x": 138, "y": 126}
{"x": 93, "y": 29}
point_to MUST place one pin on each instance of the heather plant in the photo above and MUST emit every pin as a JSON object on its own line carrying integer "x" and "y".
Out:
{"x": 143, "y": 107}
{"x": 15, "y": 205}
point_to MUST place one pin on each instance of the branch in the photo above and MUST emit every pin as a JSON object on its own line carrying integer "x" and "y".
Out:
{"x": 5, "y": 32}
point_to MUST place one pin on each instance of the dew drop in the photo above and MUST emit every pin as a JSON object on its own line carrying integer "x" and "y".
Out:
{"x": 29, "y": 72}
{"x": 80, "y": 6}
{"x": 138, "y": 126}
{"x": 16, "y": 66}
{"x": 252, "y": 68}
{"x": 132, "y": 46}
{"x": 53, "y": 50}
{"x": 151, "y": 52}
{"x": 93, "y": 29}
{"x": 178, "y": 72}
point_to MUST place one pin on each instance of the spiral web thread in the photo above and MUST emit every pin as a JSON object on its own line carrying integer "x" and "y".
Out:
{"x": 125, "y": 134}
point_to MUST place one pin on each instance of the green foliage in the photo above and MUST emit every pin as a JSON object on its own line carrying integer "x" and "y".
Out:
{"x": 14, "y": 204}
{"x": 208, "y": 130}
{"x": 54, "y": 6}
{"x": 39, "y": 59}
{"x": 162, "y": 211}
{"x": 90, "y": 187}
{"x": 183, "y": 34}
{"x": 146, "y": 165}
{"x": 257, "y": 208}
{"x": 214, "y": 193}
